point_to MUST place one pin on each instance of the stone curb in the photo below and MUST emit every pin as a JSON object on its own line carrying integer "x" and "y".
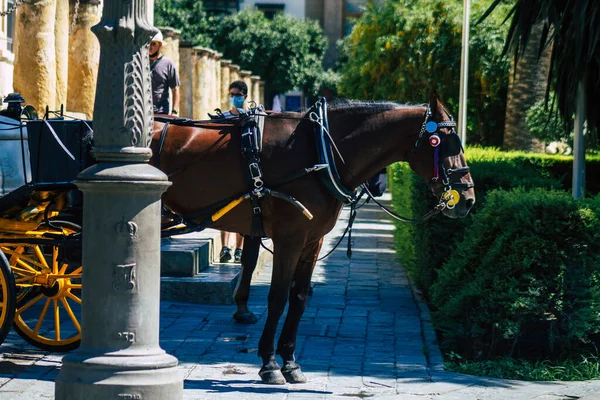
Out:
{"x": 435, "y": 360}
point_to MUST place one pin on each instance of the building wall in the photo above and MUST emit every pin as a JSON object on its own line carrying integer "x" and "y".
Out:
{"x": 296, "y": 8}
{"x": 314, "y": 10}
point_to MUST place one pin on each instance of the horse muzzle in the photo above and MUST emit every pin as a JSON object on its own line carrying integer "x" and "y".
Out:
{"x": 457, "y": 205}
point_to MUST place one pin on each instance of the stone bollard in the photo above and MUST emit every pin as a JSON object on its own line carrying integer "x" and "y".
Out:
{"x": 120, "y": 356}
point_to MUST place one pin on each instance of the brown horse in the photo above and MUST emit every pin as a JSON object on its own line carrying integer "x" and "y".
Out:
{"x": 205, "y": 165}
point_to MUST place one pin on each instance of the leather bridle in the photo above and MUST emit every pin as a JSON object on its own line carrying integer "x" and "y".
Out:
{"x": 430, "y": 131}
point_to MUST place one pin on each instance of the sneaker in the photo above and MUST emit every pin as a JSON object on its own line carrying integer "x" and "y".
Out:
{"x": 237, "y": 256}
{"x": 225, "y": 254}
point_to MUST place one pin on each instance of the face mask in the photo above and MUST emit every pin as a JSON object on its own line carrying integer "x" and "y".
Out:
{"x": 236, "y": 101}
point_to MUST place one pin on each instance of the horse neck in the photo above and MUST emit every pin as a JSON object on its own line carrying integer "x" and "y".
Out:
{"x": 369, "y": 142}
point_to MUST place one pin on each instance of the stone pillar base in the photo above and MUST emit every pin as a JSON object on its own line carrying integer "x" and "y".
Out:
{"x": 117, "y": 376}
{"x": 120, "y": 357}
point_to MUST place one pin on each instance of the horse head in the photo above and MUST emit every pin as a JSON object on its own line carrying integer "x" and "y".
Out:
{"x": 438, "y": 157}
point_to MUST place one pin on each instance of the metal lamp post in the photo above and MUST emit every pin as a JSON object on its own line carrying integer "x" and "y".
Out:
{"x": 579, "y": 144}
{"x": 464, "y": 75}
{"x": 120, "y": 356}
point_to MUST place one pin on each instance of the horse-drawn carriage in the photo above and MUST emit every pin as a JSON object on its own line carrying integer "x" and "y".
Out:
{"x": 40, "y": 226}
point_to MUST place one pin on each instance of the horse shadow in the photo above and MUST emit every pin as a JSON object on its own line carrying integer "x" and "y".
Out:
{"x": 243, "y": 386}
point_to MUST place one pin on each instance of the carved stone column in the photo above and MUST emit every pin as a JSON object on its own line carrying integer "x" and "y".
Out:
{"x": 35, "y": 58}
{"x": 120, "y": 356}
{"x": 186, "y": 77}
{"x": 84, "y": 56}
{"x": 225, "y": 81}
{"x": 61, "y": 42}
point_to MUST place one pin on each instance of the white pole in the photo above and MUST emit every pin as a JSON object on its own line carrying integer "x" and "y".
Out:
{"x": 464, "y": 71}
{"x": 579, "y": 145}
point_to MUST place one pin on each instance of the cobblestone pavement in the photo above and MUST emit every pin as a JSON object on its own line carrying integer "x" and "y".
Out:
{"x": 363, "y": 335}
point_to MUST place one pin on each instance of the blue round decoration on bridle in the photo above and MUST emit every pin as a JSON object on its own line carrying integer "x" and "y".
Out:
{"x": 431, "y": 127}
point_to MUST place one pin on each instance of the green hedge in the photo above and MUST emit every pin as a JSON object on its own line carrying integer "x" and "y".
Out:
{"x": 525, "y": 280}
{"x": 423, "y": 248}
{"x": 519, "y": 276}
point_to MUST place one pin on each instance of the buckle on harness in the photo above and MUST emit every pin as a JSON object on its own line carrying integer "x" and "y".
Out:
{"x": 255, "y": 174}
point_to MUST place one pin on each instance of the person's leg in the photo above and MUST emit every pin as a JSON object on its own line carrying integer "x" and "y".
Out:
{"x": 239, "y": 245}
{"x": 225, "y": 254}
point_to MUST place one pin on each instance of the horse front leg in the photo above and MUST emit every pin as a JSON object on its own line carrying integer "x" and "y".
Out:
{"x": 285, "y": 259}
{"x": 299, "y": 293}
{"x": 242, "y": 290}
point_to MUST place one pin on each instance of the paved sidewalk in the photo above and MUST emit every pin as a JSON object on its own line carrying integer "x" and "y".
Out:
{"x": 363, "y": 335}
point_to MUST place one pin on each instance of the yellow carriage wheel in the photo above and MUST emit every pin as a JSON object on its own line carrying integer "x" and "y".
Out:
{"x": 7, "y": 297}
{"x": 48, "y": 281}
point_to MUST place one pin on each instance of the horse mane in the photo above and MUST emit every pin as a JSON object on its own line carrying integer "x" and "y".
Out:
{"x": 369, "y": 106}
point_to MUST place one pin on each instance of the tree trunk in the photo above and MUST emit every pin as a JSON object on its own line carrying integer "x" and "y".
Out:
{"x": 527, "y": 85}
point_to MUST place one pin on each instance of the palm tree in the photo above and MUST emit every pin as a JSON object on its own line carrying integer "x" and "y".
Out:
{"x": 573, "y": 29}
{"x": 528, "y": 81}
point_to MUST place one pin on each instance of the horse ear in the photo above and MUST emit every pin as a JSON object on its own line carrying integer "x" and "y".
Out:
{"x": 433, "y": 100}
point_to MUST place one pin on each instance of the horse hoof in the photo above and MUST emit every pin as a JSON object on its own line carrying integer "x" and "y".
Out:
{"x": 271, "y": 377}
{"x": 245, "y": 318}
{"x": 294, "y": 375}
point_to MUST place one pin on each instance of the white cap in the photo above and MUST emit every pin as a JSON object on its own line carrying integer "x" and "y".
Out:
{"x": 158, "y": 38}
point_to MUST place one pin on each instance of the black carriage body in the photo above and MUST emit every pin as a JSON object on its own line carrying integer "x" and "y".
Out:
{"x": 56, "y": 151}
{"x": 51, "y": 145}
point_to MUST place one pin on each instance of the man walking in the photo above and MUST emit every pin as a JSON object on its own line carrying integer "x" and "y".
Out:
{"x": 164, "y": 77}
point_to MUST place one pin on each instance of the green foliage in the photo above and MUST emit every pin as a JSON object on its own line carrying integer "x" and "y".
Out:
{"x": 424, "y": 248}
{"x": 544, "y": 122}
{"x": 490, "y": 169}
{"x": 287, "y": 53}
{"x": 580, "y": 369}
{"x": 525, "y": 280}
{"x": 186, "y": 15}
{"x": 329, "y": 79}
{"x": 400, "y": 55}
